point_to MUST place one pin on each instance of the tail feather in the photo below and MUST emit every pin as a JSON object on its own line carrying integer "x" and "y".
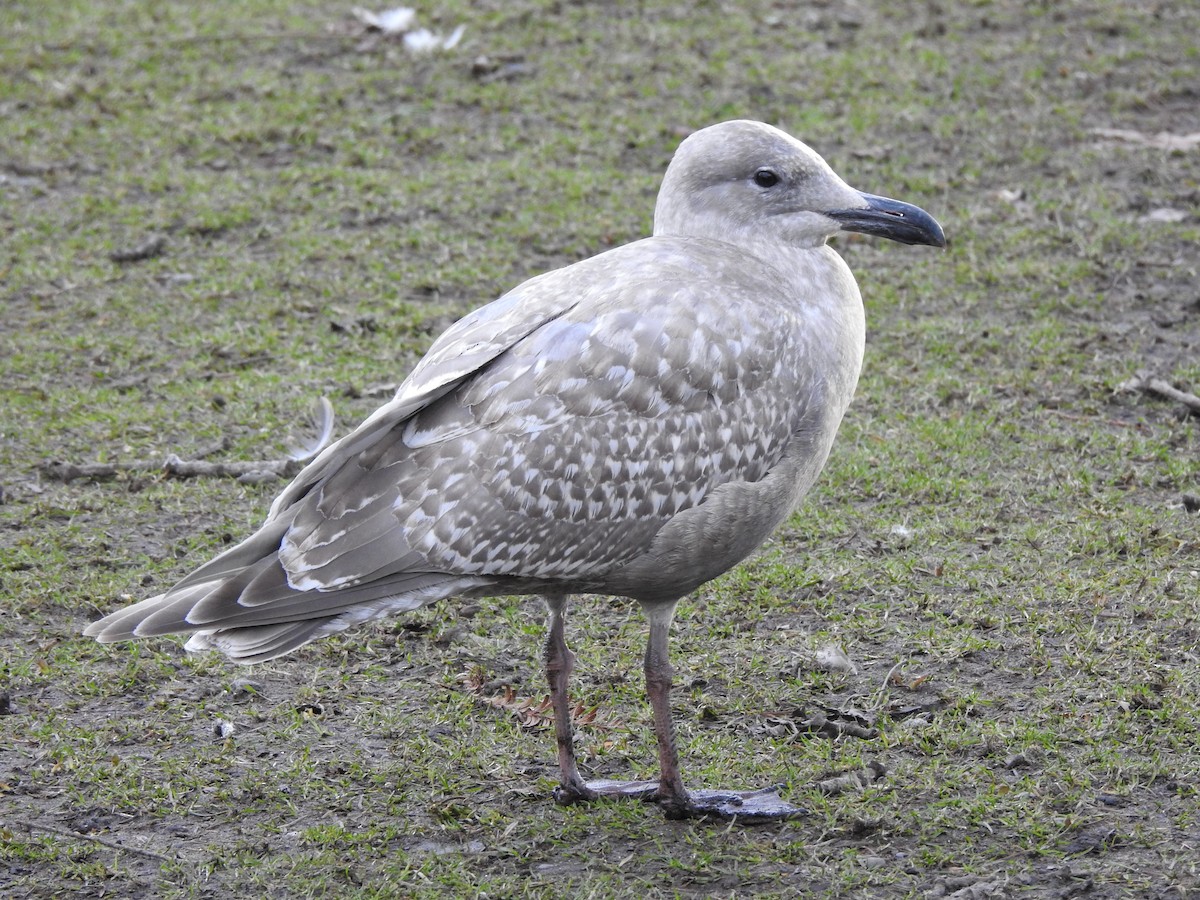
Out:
{"x": 240, "y": 590}
{"x": 257, "y": 644}
{"x": 243, "y": 603}
{"x": 121, "y": 625}
{"x": 262, "y": 544}
{"x": 175, "y": 611}
{"x": 420, "y": 587}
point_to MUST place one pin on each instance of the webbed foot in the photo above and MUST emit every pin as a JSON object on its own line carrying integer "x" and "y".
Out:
{"x": 764, "y": 805}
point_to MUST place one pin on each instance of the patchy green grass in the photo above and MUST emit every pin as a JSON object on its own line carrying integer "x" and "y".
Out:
{"x": 1000, "y": 542}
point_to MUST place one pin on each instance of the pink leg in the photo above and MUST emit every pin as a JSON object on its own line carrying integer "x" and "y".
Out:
{"x": 560, "y": 662}
{"x": 668, "y": 791}
{"x": 671, "y": 793}
{"x": 676, "y": 800}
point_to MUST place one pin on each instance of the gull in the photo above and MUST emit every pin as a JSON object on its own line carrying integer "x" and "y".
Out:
{"x": 634, "y": 424}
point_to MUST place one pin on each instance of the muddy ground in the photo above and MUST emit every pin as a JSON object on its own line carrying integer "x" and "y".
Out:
{"x": 972, "y": 655}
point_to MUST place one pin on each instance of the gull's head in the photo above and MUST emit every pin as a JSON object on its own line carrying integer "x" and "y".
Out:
{"x": 746, "y": 182}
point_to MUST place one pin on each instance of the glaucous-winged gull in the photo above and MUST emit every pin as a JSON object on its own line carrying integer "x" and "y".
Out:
{"x": 634, "y": 424}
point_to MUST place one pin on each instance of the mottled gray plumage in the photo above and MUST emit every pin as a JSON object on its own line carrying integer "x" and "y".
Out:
{"x": 634, "y": 424}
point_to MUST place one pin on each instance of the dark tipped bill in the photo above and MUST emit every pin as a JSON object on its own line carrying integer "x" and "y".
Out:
{"x": 891, "y": 219}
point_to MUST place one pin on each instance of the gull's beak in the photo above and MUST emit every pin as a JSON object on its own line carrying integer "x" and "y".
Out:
{"x": 891, "y": 219}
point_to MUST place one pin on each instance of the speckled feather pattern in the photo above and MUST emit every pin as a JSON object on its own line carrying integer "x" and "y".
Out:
{"x": 565, "y": 455}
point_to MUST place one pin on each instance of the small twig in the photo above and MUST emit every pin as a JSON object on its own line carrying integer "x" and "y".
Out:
{"x": 64, "y": 471}
{"x": 173, "y": 467}
{"x": 858, "y": 780}
{"x": 148, "y": 249}
{"x": 1115, "y": 423}
{"x": 95, "y": 839}
{"x": 827, "y": 722}
{"x": 1147, "y": 384}
{"x": 877, "y": 700}
{"x": 253, "y": 472}
{"x": 1163, "y": 389}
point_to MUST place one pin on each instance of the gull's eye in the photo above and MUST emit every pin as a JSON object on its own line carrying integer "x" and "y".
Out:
{"x": 765, "y": 178}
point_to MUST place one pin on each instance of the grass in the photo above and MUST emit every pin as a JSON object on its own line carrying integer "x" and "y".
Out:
{"x": 1026, "y": 645}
